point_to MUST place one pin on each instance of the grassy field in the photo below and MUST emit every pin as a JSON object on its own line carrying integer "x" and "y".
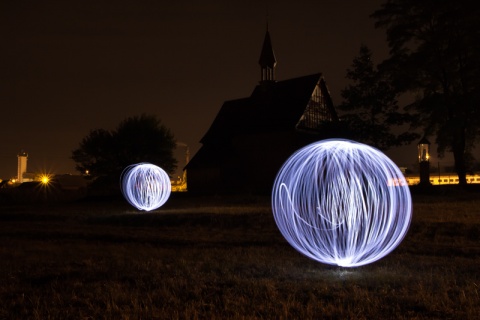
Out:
{"x": 217, "y": 258}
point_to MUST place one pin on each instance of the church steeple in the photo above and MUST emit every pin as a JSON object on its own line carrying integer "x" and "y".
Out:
{"x": 267, "y": 60}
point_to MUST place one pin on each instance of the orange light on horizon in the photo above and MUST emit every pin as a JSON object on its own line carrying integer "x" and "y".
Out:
{"x": 45, "y": 179}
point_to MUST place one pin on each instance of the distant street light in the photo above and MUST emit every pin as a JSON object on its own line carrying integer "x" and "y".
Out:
{"x": 45, "y": 179}
{"x": 424, "y": 161}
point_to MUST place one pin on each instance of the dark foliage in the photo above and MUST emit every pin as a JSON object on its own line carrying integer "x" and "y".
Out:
{"x": 372, "y": 113}
{"x": 105, "y": 154}
{"x": 435, "y": 53}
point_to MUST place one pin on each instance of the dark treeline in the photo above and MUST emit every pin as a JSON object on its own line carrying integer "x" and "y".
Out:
{"x": 434, "y": 55}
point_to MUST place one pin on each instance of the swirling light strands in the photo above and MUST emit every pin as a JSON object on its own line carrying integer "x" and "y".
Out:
{"x": 145, "y": 186}
{"x": 342, "y": 203}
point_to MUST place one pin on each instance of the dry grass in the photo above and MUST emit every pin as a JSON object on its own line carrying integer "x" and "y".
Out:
{"x": 217, "y": 259}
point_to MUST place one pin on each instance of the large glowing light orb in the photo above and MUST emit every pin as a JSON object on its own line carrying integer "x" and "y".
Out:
{"x": 145, "y": 186}
{"x": 342, "y": 203}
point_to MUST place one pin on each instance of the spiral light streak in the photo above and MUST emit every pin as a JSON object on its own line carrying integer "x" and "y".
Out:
{"x": 342, "y": 203}
{"x": 145, "y": 186}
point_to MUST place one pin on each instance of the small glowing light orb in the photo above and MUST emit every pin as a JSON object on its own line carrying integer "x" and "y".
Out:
{"x": 145, "y": 186}
{"x": 342, "y": 203}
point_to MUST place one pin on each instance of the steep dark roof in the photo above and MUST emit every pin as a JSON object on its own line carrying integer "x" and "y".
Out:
{"x": 267, "y": 57}
{"x": 424, "y": 140}
{"x": 277, "y": 106}
{"x": 206, "y": 157}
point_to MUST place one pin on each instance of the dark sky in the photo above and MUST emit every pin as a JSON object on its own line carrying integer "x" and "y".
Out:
{"x": 67, "y": 67}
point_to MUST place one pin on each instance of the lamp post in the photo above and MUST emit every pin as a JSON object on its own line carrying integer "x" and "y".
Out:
{"x": 424, "y": 161}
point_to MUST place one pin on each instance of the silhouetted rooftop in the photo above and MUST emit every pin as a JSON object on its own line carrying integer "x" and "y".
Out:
{"x": 275, "y": 106}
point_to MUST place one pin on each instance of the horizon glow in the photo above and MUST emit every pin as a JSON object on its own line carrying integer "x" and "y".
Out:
{"x": 145, "y": 186}
{"x": 342, "y": 203}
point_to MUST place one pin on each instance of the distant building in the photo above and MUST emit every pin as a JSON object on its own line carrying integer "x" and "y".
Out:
{"x": 442, "y": 179}
{"x": 22, "y": 165}
{"x": 68, "y": 181}
{"x": 252, "y": 137}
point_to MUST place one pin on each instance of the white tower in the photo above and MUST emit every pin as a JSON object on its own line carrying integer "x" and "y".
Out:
{"x": 22, "y": 165}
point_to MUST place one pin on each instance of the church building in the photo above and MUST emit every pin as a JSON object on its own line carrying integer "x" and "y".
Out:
{"x": 252, "y": 137}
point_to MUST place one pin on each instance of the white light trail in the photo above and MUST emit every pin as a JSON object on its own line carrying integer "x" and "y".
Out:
{"x": 145, "y": 186}
{"x": 334, "y": 201}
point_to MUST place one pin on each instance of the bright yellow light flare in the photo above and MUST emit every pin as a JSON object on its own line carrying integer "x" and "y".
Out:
{"x": 45, "y": 179}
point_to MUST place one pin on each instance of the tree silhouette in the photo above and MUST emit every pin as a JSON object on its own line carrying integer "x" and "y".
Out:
{"x": 435, "y": 53}
{"x": 105, "y": 154}
{"x": 372, "y": 112}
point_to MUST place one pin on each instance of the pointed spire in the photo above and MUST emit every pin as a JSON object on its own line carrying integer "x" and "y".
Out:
{"x": 267, "y": 59}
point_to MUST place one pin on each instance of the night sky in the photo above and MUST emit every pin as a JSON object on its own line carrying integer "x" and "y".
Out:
{"x": 67, "y": 67}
